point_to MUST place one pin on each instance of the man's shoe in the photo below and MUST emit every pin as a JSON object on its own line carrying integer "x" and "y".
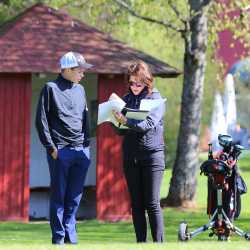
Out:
{"x": 67, "y": 241}
{"x": 58, "y": 242}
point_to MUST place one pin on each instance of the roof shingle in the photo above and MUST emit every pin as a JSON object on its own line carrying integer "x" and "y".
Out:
{"x": 35, "y": 40}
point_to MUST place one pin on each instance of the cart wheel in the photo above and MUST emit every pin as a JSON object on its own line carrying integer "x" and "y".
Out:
{"x": 222, "y": 237}
{"x": 183, "y": 232}
{"x": 247, "y": 236}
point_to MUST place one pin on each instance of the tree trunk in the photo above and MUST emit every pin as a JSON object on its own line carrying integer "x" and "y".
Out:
{"x": 183, "y": 182}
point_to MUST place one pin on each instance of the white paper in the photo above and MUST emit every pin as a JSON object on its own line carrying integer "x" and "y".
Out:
{"x": 117, "y": 104}
{"x": 148, "y": 104}
{"x": 105, "y": 109}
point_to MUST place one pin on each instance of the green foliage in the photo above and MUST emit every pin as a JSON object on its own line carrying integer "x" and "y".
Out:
{"x": 233, "y": 16}
{"x": 10, "y": 8}
{"x": 210, "y": 87}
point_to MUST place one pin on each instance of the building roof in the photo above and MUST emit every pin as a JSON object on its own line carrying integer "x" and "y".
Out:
{"x": 36, "y": 39}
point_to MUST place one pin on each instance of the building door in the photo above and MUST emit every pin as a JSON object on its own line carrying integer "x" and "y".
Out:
{"x": 112, "y": 195}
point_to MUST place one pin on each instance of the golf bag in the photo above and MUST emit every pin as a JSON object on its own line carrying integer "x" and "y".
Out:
{"x": 225, "y": 186}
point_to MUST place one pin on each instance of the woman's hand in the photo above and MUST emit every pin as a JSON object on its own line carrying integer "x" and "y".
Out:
{"x": 119, "y": 117}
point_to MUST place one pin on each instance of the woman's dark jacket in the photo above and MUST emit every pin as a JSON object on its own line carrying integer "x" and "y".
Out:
{"x": 144, "y": 140}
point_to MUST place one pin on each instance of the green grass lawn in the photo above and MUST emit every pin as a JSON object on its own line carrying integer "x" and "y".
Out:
{"x": 98, "y": 235}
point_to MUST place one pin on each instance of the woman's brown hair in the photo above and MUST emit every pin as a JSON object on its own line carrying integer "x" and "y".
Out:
{"x": 139, "y": 71}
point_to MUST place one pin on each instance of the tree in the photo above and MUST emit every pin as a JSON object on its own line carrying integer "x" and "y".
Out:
{"x": 9, "y": 8}
{"x": 192, "y": 24}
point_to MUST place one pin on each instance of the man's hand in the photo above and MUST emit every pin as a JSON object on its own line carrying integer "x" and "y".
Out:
{"x": 54, "y": 154}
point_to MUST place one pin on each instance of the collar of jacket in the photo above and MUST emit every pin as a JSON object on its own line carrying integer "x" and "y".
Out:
{"x": 61, "y": 80}
{"x": 142, "y": 95}
{"x": 133, "y": 101}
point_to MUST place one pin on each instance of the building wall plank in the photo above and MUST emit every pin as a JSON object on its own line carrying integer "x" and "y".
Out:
{"x": 15, "y": 94}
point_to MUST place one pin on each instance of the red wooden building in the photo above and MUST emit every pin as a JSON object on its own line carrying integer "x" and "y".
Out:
{"x": 30, "y": 46}
{"x": 231, "y": 50}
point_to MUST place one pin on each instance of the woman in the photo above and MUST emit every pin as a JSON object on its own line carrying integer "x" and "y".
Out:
{"x": 143, "y": 153}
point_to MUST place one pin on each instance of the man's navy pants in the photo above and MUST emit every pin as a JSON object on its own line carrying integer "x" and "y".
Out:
{"x": 67, "y": 174}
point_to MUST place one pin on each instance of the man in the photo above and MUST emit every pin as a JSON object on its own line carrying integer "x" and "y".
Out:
{"x": 62, "y": 125}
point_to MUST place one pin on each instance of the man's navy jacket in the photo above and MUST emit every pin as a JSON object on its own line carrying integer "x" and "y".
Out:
{"x": 61, "y": 118}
